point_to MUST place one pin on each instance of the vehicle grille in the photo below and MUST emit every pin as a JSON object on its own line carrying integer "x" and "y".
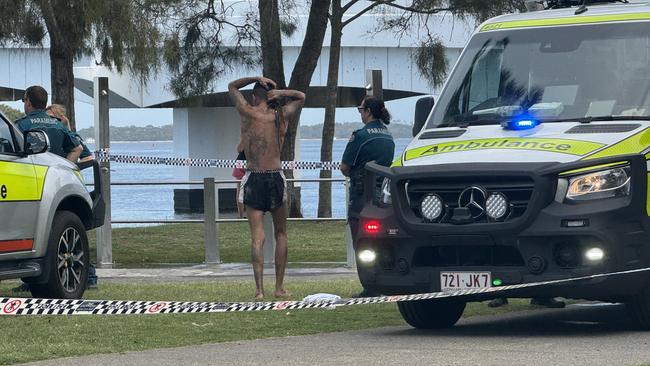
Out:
{"x": 467, "y": 255}
{"x": 518, "y": 191}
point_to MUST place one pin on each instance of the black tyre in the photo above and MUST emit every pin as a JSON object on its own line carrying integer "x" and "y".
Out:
{"x": 431, "y": 314}
{"x": 68, "y": 258}
{"x": 639, "y": 308}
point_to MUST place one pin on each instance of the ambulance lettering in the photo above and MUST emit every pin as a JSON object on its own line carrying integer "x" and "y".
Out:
{"x": 571, "y": 147}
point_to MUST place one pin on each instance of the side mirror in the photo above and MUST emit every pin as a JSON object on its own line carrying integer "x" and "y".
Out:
{"x": 36, "y": 142}
{"x": 422, "y": 109}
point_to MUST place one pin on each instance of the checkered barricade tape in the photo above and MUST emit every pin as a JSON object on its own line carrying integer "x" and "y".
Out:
{"x": 106, "y": 156}
{"x": 27, "y": 306}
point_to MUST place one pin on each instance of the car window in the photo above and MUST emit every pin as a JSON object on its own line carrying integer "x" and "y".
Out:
{"x": 6, "y": 140}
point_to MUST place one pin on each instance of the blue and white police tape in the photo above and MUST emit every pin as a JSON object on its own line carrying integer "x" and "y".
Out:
{"x": 106, "y": 156}
{"x": 29, "y": 306}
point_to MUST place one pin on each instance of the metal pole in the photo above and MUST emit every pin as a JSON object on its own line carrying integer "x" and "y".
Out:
{"x": 103, "y": 140}
{"x": 210, "y": 221}
{"x": 374, "y": 86}
{"x": 269, "y": 240}
{"x": 351, "y": 258}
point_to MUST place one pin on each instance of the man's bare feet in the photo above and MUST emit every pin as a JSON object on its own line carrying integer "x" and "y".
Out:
{"x": 282, "y": 293}
{"x": 259, "y": 296}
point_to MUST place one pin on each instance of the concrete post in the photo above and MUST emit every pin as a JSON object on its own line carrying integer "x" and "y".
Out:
{"x": 269, "y": 239}
{"x": 103, "y": 140}
{"x": 374, "y": 86}
{"x": 211, "y": 232}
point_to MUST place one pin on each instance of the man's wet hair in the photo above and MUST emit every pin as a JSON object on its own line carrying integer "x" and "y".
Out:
{"x": 259, "y": 91}
{"x": 37, "y": 95}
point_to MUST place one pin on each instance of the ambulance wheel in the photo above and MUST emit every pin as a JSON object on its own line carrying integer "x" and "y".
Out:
{"x": 431, "y": 314}
{"x": 68, "y": 258}
{"x": 639, "y": 307}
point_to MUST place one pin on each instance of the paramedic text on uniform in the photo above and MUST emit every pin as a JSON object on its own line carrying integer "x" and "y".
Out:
{"x": 62, "y": 141}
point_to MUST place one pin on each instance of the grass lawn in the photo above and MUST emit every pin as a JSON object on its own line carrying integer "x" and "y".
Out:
{"x": 45, "y": 337}
{"x": 184, "y": 244}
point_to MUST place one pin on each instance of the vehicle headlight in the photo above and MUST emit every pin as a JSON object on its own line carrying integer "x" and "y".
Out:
{"x": 432, "y": 207}
{"x": 385, "y": 192}
{"x": 608, "y": 183}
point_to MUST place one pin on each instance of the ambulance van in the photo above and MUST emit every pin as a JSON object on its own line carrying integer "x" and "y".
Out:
{"x": 532, "y": 166}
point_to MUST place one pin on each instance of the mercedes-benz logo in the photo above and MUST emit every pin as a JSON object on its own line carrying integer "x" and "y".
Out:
{"x": 473, "y": 198}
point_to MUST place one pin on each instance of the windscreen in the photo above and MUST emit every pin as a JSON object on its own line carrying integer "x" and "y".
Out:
{"x": 550, "y": 73}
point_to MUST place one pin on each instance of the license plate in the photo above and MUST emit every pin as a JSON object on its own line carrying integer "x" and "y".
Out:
{"x": 452, "y": 281}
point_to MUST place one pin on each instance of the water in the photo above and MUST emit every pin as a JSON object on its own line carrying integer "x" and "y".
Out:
{"x": 157, "y": 202}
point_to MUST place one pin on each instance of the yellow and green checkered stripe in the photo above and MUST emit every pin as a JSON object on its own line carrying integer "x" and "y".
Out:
{"x": 634, "y": 144}
{"x": 21, "y": 182}
{"x": 397, "y": 162}
{"x": 576, "y": 20}
{"x": 647, "y": 201}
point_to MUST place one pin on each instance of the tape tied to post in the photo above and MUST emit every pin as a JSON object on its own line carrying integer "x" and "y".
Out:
{"x": 32, "y": 306}
{"x": 104, "y": 155}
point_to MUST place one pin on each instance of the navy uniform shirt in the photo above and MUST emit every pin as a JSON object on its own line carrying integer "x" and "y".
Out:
{"x": 62, "y": 141}
{"x": 371, "y": 143}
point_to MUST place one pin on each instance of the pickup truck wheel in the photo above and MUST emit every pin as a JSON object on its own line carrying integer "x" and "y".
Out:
{"x": 431, "y": 314}
{"x": 69, "y": 259}
{"x": 639, "y": 308}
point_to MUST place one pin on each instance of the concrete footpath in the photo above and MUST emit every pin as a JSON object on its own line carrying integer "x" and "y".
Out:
{"x": 578, "y": 335}
{"x": 232, "y": 271}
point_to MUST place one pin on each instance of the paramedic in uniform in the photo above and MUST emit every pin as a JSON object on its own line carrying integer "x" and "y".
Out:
{"x": 62, "y": 142}
{"x": 373, "y": 142}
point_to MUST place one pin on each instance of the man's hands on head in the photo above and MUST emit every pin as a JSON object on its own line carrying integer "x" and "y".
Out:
{"x": 266, "y": 82}
{"x": 274, "y": 96}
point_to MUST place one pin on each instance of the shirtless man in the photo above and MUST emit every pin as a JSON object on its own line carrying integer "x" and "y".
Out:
{"x": 263, "y": 126}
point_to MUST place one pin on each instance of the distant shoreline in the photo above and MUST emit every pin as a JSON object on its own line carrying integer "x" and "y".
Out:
{"x": 135, "y": 142}
{"x": 165, "y": 133}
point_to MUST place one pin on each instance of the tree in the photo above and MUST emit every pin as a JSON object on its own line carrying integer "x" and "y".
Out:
{"x": 197, "y": 47}
{"x": 11, "y": 113}
{"x": 208, "y": 41}
{"x": 123, "y": 32}
{"x": 429, "y": 57}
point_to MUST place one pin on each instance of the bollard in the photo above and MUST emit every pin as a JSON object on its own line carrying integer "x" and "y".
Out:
{"x": 210, "y": 210}
{"x": 102, "y": 136}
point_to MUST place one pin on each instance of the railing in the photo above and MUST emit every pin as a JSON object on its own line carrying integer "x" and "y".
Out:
{"x": 211, "y": 219}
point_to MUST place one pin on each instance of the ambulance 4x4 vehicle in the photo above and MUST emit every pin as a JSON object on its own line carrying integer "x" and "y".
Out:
{"x": 532, "y": 166}
{"x": 45, "y": 210}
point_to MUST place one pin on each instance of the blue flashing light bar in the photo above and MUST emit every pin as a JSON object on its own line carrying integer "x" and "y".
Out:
{"x": 523, "y": 122}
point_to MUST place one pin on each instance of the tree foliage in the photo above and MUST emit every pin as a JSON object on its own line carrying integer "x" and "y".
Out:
{"x": 205, "y": 41}
{"x": 123, "y": 33}
{"x": 208, "y": 38}
{"x": 11, "y": 113}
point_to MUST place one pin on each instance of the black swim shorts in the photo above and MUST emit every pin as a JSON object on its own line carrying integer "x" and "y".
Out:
{"x": 263, "y": 190}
